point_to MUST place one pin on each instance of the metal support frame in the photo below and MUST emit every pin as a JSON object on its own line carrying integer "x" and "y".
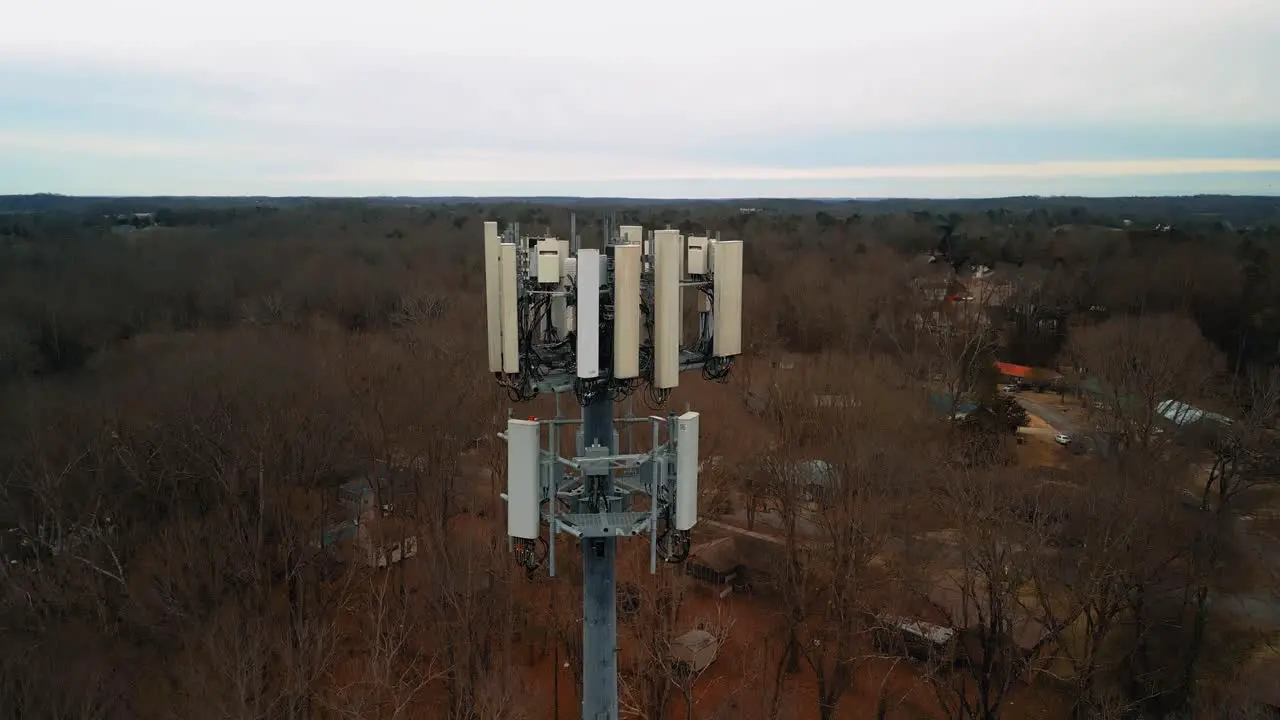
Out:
{"x": 599, "y": 578}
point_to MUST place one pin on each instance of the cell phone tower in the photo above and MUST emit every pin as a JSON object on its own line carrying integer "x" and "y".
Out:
{"x": 602, "y": 324}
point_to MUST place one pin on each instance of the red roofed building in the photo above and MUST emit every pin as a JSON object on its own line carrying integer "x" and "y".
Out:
{"x": 1040, "y": 378}
{"x": 1013, "y": 371}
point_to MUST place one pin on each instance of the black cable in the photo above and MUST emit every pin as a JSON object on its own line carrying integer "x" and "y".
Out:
{"x": 717, "y": 369}
{"x": 655, "y": 397}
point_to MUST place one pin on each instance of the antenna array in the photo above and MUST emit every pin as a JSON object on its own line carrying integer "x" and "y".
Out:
{"x": 604, "y": 324}
{"x": 609, "y": 322}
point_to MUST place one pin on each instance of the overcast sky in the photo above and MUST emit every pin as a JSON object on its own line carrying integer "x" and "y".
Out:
{"x": 660, "y": 98}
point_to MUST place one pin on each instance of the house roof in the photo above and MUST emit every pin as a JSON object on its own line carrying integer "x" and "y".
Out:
{"x": 721, "y": 555}
{"x": 943, "y": 403}
{"x": 1094, "y": 386}
{"x": 835, "y": 401}
{"x": 933, "y": 633}
{"x": 964, "y": 611}
{"x": 694, "y": 639}
{"x": 1181, "y": 413}
{"x": 356, "y": 486}
{"x": 1028, "y": 372}
{"x": 814, "y": 472}
{"x": 1012, "y": 370}
{"x": 688, "y": 646}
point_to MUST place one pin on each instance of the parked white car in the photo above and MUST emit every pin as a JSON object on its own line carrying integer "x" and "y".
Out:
{"x": 1062, "y": 439}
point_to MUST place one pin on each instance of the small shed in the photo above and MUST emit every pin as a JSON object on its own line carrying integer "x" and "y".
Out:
{"x": 693, "y": 651}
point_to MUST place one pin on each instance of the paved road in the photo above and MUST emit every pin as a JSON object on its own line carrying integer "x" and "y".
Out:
{"x": 1049, "y": 415}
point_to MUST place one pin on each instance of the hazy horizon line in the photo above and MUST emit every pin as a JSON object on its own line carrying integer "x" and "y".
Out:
{"x": 646, "y": 198}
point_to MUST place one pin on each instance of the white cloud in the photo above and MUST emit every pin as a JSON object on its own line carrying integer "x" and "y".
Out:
{"x": 105, "y": 146}
{"x": 507, "y": 88}
{"x": 718, "y": 64}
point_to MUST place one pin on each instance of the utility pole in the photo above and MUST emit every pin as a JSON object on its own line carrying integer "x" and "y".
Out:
{"x": 599, "y": 578}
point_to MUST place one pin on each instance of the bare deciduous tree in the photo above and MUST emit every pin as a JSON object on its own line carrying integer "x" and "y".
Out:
{"x": 1142, "y": 361}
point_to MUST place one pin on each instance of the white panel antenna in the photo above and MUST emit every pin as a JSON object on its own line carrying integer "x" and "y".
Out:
{"x": 666, "y": 323}
{"x": 686, "y": 510}
{"x": 547, "y": 268}
{"x": 492, "y": 295}
{"x": 524, "y": 484}
{"x": 561, "y": 318}
{"x": 698, "y": 260}
{"x": 626, "y": 310}
{"x": 588, "y": 324}
{"x": 563, "y": 247}
{"x": 631, "y": 234}
{"x": 727, "y": 287}
{"x": 509, "y": 270}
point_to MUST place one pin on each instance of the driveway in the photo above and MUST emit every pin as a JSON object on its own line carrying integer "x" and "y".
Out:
{"x": 1038, "y": 431}
{"x": 770, "y": 523}
{"x": 1050, "y": 415}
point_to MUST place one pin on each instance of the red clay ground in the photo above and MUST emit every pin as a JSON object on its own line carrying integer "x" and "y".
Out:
{"x": 734, "y": 685}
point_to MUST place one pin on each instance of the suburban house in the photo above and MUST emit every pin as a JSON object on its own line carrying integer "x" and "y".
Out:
{"x": 841, "y": 402}
{"x": 989, "y": 290}
{"x": 1099, "y": 392}
{"x": 916, "y": 639}
{"x": 1025, "y": 375}
{"x": 1182, "y": 415}
{"x": 1192, "y": 425}
{"x": 816, "y": 479}
{"x": 735, "y": 563}
{"x": 363, "y": 517}
{"x": 954, "y": 311}
{"x": 936, "y": 287}
{"x": 716, "y": 562}
{"x": 949, "y": 625}
{"x": 948, "y": 406}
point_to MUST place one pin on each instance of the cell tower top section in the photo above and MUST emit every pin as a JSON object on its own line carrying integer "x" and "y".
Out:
{"x": 611, "y": 320}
